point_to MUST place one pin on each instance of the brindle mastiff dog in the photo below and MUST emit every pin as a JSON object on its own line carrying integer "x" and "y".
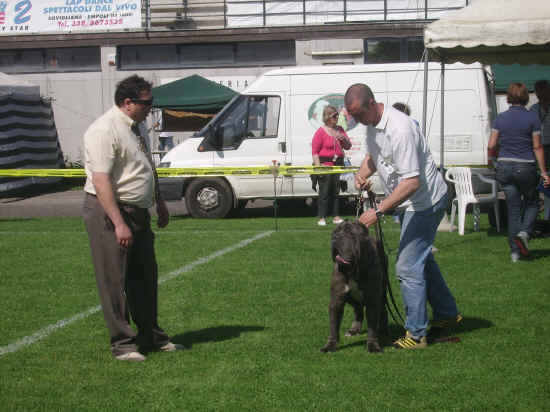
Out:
{"x": 358, "y": 279}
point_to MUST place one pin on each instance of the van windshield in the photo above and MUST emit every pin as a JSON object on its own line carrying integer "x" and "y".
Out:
{"x": 246, "y": 117}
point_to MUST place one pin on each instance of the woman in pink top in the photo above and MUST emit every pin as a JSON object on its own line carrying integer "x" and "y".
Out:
{"x": 326, "y": 148}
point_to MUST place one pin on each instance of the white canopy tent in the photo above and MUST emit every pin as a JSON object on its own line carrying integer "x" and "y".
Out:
{"x": 489, "y": 31}
{"x": 493, "y": 31}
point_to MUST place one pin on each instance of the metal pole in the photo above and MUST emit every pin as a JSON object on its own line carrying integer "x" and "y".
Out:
{"x": 425, "y": 9}
{"x": 147, "y": 15}
{"x": 345, "y": 11}
{"x": 425, "y": 99}
{"x": 442, "y": 131}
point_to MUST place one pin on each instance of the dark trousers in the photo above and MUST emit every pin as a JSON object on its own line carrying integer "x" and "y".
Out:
{"x": 519, "y": 183}
{"x": 329, "y": 188}
{"x": 126, "y": 278}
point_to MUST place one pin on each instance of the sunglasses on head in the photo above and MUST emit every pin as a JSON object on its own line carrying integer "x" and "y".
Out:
{"x": 143, "y": 102}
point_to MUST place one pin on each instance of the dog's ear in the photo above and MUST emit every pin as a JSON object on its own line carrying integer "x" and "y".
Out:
{"x": 338, "y": 230}
{"x": 336, "y": 238}
{"x": 361, "y": 235}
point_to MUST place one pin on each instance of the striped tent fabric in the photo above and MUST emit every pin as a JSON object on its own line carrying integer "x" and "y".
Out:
{"x": 28, "y": 140}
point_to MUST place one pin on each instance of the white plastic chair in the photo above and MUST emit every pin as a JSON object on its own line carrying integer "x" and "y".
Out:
{"x": 462, "y": 179}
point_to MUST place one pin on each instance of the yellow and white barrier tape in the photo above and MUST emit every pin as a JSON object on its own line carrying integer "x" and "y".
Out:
{"x": 195, "y": 171}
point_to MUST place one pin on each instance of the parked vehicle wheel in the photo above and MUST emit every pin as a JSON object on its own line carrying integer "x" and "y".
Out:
{"x": 209, "y": 198}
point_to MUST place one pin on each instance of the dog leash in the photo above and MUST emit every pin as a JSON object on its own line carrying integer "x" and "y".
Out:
{"x": 383, "y": 254}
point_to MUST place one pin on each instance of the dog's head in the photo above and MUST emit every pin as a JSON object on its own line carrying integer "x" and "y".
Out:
{"x": 348, "y": 239}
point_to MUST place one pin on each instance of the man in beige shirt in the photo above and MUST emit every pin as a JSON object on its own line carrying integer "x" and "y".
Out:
{"x": 121, "y": 186}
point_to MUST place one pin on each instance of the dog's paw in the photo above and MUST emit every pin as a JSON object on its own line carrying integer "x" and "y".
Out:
{"x": 374, "y": 347}
{"x": 353, "y": 332}
{"x": 330, "y": 347}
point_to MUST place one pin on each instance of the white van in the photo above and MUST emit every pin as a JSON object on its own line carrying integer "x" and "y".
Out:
{"x": 275, "y": 119}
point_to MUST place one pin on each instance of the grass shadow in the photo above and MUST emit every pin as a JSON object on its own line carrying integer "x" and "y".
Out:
{"x": 285, "y": 208}
{"x": 538, "y": 254}
{"x": 214, "y": 334}
{"x": 395, "y": 331}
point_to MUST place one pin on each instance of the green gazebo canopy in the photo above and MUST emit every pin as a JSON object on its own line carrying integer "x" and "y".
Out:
{"x": 192, "y": 94}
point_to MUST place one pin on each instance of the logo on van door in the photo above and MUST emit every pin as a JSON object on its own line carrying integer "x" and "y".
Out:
{"x": 315, "y": 112}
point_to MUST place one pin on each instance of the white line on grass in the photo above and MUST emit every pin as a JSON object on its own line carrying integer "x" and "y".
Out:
{"x": 44, "y": 332}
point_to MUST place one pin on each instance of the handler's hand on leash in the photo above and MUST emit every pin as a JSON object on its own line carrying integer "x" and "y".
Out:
{"x": 368, "y": 218}
{"x": 361, "y": 183}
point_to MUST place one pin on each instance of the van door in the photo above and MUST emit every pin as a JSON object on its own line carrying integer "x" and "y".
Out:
{"x": 253, "y": 133}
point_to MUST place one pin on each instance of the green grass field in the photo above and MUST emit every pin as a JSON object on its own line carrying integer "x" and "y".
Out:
{"x": 253, "y": 318}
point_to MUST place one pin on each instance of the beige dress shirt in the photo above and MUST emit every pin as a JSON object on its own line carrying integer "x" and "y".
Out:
{"x": 111, "y": 147}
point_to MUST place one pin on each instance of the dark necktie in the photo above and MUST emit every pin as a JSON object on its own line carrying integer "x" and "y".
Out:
{"x": 143, "y": 147}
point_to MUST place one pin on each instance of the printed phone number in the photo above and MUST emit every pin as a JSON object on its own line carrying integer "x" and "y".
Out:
{"x": 84, "y": 23}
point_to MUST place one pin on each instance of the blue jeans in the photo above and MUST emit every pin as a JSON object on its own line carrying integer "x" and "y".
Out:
{"x": 519, "y": 183}
{"x": 418, "y": 273}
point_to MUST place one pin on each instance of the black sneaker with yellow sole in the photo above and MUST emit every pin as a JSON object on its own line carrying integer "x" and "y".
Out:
{"x": 438, "y": 327}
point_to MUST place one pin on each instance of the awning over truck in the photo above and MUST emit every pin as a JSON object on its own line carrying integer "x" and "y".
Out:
{"x": 192, "y": 94}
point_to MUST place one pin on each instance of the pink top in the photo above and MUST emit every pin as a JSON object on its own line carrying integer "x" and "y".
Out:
{"x": 325, "y": 145}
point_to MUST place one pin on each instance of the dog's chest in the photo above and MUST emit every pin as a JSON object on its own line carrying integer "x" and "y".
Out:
{"x": 352, "y": 287}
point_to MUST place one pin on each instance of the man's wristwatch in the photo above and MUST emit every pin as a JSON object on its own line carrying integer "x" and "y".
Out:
{"x": 379, "y": 214}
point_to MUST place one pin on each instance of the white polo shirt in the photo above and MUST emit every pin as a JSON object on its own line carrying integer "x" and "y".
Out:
{"x": 399, "y": 151}
{"x": 111, "y": 147}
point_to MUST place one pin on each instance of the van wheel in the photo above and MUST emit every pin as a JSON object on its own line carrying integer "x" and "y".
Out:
{"x": 209, "y": 198}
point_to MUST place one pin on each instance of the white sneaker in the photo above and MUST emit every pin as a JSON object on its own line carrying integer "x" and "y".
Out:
{"x": 322, "y": 222}
{"x": 131, "y": 357}
{"x": 171, "y": 347}
{"x": 514, "y": 256}
{"x": 337, "y": 221}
